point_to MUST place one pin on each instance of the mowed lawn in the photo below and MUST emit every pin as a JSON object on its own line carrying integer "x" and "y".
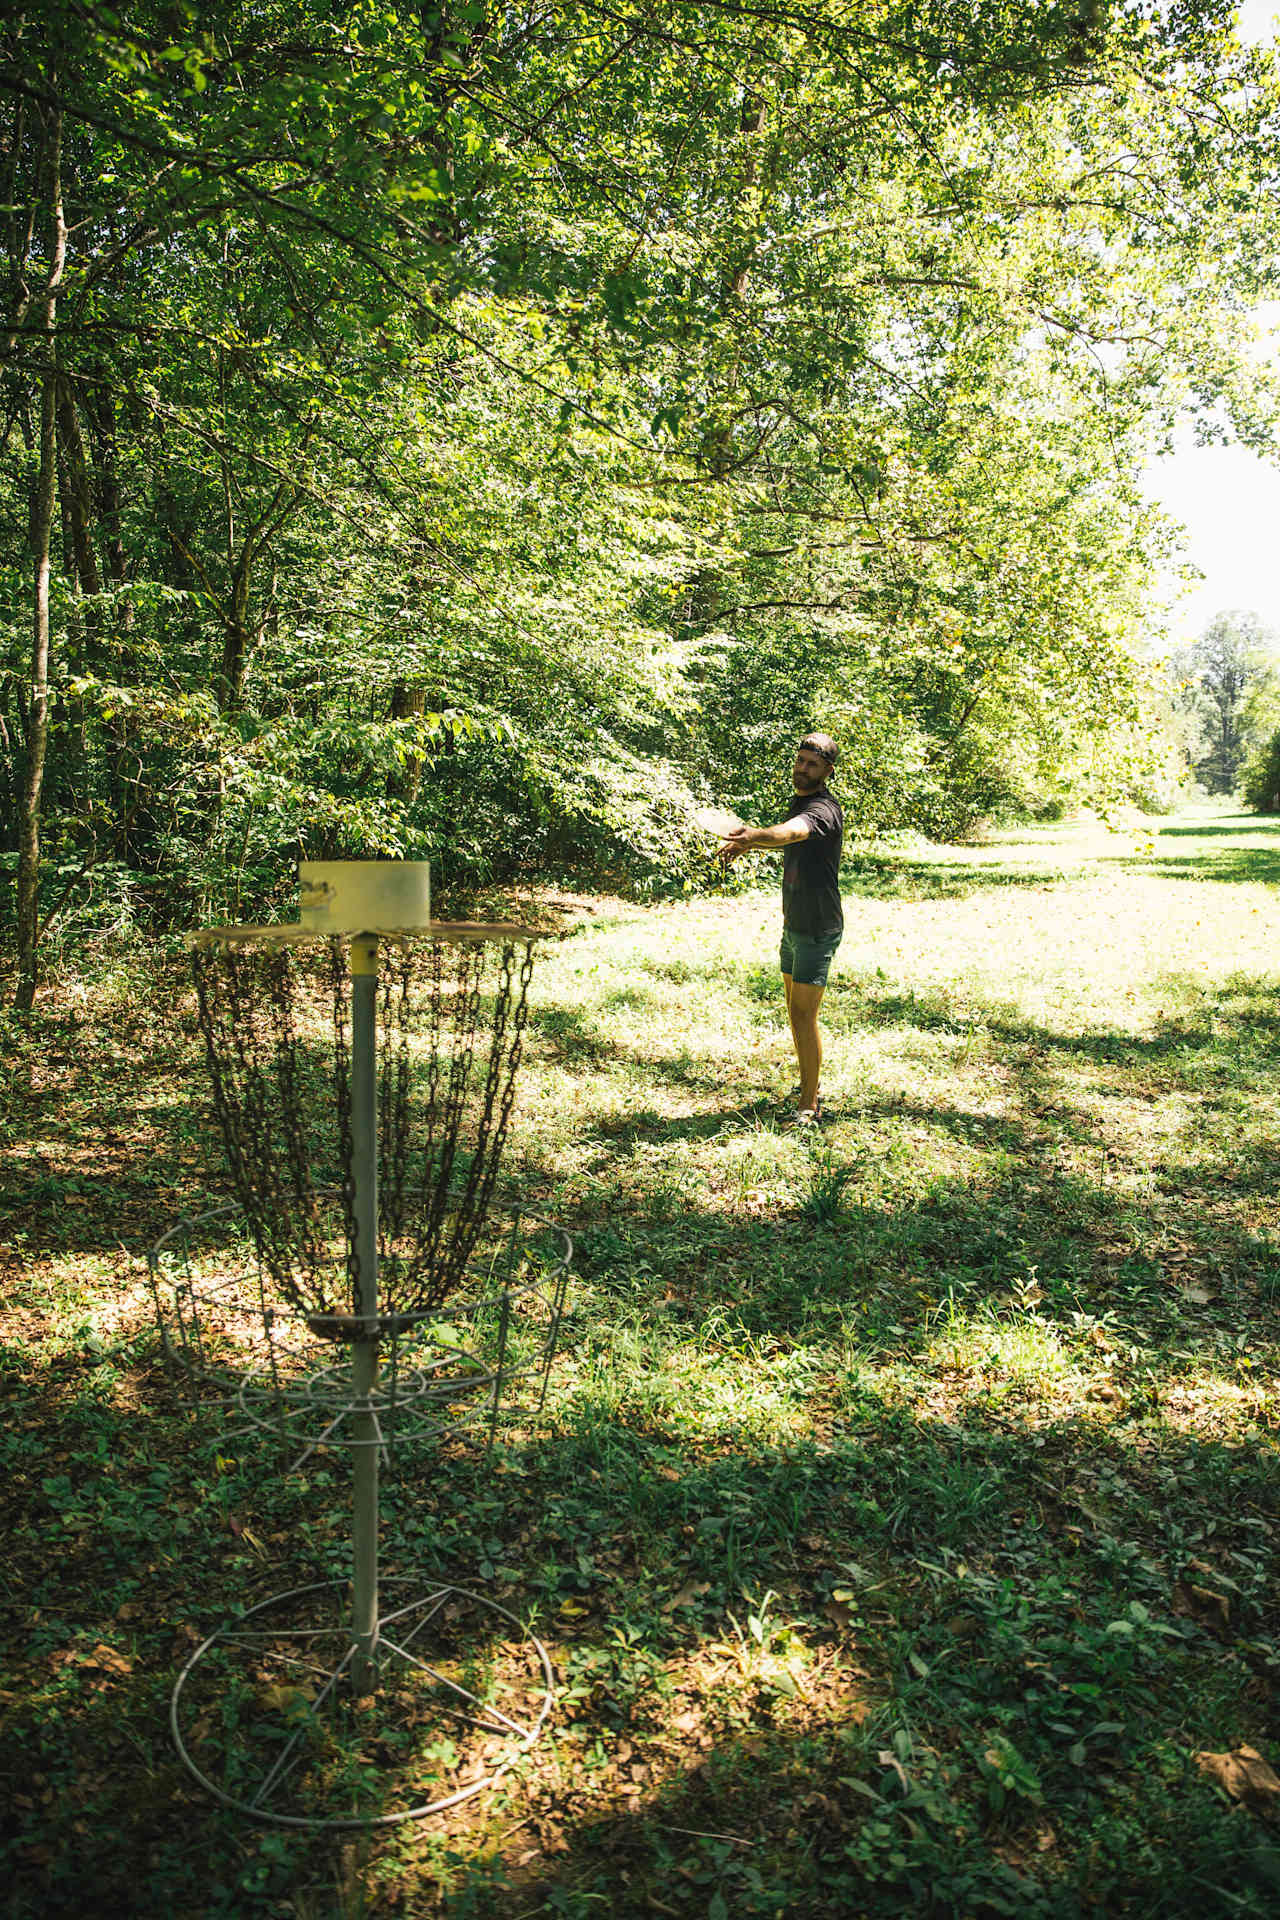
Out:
{"x": 902, "y": 1521}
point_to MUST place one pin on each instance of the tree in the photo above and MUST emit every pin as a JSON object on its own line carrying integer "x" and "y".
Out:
{"x": 1229, "y": 691}
{"x": 1260, "y": 788}
{"x": 47, "y": 211}
{"x": 481, "y": 431}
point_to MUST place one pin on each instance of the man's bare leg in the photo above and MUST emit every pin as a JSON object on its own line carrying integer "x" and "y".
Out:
{"x": 787, "y": 984}
{"x": 806, "y": 1036}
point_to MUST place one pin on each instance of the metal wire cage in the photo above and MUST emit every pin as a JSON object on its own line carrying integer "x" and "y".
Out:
{"x": 264, "y": 1714}
{"x": 441, "y": 1036}
{"x": 250, "y": 1363}
{"x": 361, "y": 1292}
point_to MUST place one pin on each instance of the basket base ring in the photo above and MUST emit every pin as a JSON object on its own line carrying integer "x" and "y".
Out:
{"x": 264, "y": 1718}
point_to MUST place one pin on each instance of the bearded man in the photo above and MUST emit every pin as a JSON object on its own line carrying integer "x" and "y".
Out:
{"x": 811, "y": 838}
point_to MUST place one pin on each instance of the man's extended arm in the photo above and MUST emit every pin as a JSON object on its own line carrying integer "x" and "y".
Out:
{"x": 743, "y": 839}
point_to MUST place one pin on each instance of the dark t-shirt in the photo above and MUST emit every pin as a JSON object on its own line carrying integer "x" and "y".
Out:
{"x": 811, "y": 867}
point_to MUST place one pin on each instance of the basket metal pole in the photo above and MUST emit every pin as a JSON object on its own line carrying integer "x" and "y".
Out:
{"x": 364, "y": 1352}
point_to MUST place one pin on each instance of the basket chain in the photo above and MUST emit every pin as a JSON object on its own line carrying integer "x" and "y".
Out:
{"x": 444, "y": 1109}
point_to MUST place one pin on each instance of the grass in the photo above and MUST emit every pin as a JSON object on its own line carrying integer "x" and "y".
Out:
{"x": 903, "y": 1519}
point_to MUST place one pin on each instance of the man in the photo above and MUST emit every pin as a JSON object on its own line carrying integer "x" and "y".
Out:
{"x": 811, "y": 837}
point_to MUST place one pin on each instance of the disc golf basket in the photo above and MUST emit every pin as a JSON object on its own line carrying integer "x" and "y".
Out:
{"x": 363, "y": 1066}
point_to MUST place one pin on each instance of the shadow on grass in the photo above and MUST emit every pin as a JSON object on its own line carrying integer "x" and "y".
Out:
{"x": 890, "y": 877}
{"x": 570, "y": 1036}
{"x": 1255, "y": 864}
{"x": 1247, "y": 866}
{"x": 955, "y": 877}
{"x": 1088, "y": 1598}
{"x": 649, "y": 1128}
{"x": 1253, "y": 823}
{"x": 850, "y": 1213}
{"x": 899, "y": 1835}
{"x": 1098, "y": 1219}
{"x": 842, "y": 1260}
{"x": 941, "y": 1581}
{"x": 925, "y": 1592}
{"x": 1243, "y": 1019}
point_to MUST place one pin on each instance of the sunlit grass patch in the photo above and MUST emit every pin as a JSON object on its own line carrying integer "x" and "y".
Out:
{"x": 689, "y": 1392}
{"x": 1018, "y": 1347}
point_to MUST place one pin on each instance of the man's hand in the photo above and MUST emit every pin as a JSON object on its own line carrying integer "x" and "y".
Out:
{"x": 743, "y": 839}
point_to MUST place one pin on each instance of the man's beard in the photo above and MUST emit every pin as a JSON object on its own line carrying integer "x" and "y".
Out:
{"x": 804, "y": 783}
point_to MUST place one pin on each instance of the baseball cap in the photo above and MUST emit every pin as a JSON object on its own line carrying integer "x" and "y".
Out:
{"x": 822, "y": 743}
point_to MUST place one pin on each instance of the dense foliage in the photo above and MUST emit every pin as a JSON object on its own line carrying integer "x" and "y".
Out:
{"x": 481, "y": 434}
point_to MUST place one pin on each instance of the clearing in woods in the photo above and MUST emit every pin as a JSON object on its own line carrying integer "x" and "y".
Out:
{"x": 903, "y": 1524}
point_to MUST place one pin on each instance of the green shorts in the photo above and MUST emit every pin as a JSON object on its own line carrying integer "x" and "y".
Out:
{"x": 807, "y": 957}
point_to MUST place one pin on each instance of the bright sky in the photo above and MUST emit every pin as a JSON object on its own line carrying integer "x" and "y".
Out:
{"x": 1226, "y": 497}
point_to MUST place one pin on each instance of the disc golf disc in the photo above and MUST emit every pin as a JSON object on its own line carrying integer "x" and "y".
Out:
{"x": 716, "y": 820}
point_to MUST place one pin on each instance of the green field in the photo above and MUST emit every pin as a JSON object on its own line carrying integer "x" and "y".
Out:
{"x": 903, "y": 1519}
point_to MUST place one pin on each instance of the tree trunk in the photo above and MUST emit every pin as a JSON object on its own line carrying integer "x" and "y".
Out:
{"x": 79, "y": 492}
{"x": 100, "y": 411}
{"x": 407, "y": 702}
{"x": 43, "y": 502}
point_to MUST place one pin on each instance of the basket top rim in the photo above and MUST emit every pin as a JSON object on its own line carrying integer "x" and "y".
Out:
{"x": 291, "y": 934}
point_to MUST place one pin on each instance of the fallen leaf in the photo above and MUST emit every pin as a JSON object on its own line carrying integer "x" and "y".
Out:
{"x": 964, "y": 1626}
{"x": 105, "y": 1657}
{"x": 690, "y": 1592}
{"x": 1201, "y": 1603}
{"x": 1243, "y": 1773}
{"x": 288, "y": 1700}
{"x": 888, "y": 1759}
